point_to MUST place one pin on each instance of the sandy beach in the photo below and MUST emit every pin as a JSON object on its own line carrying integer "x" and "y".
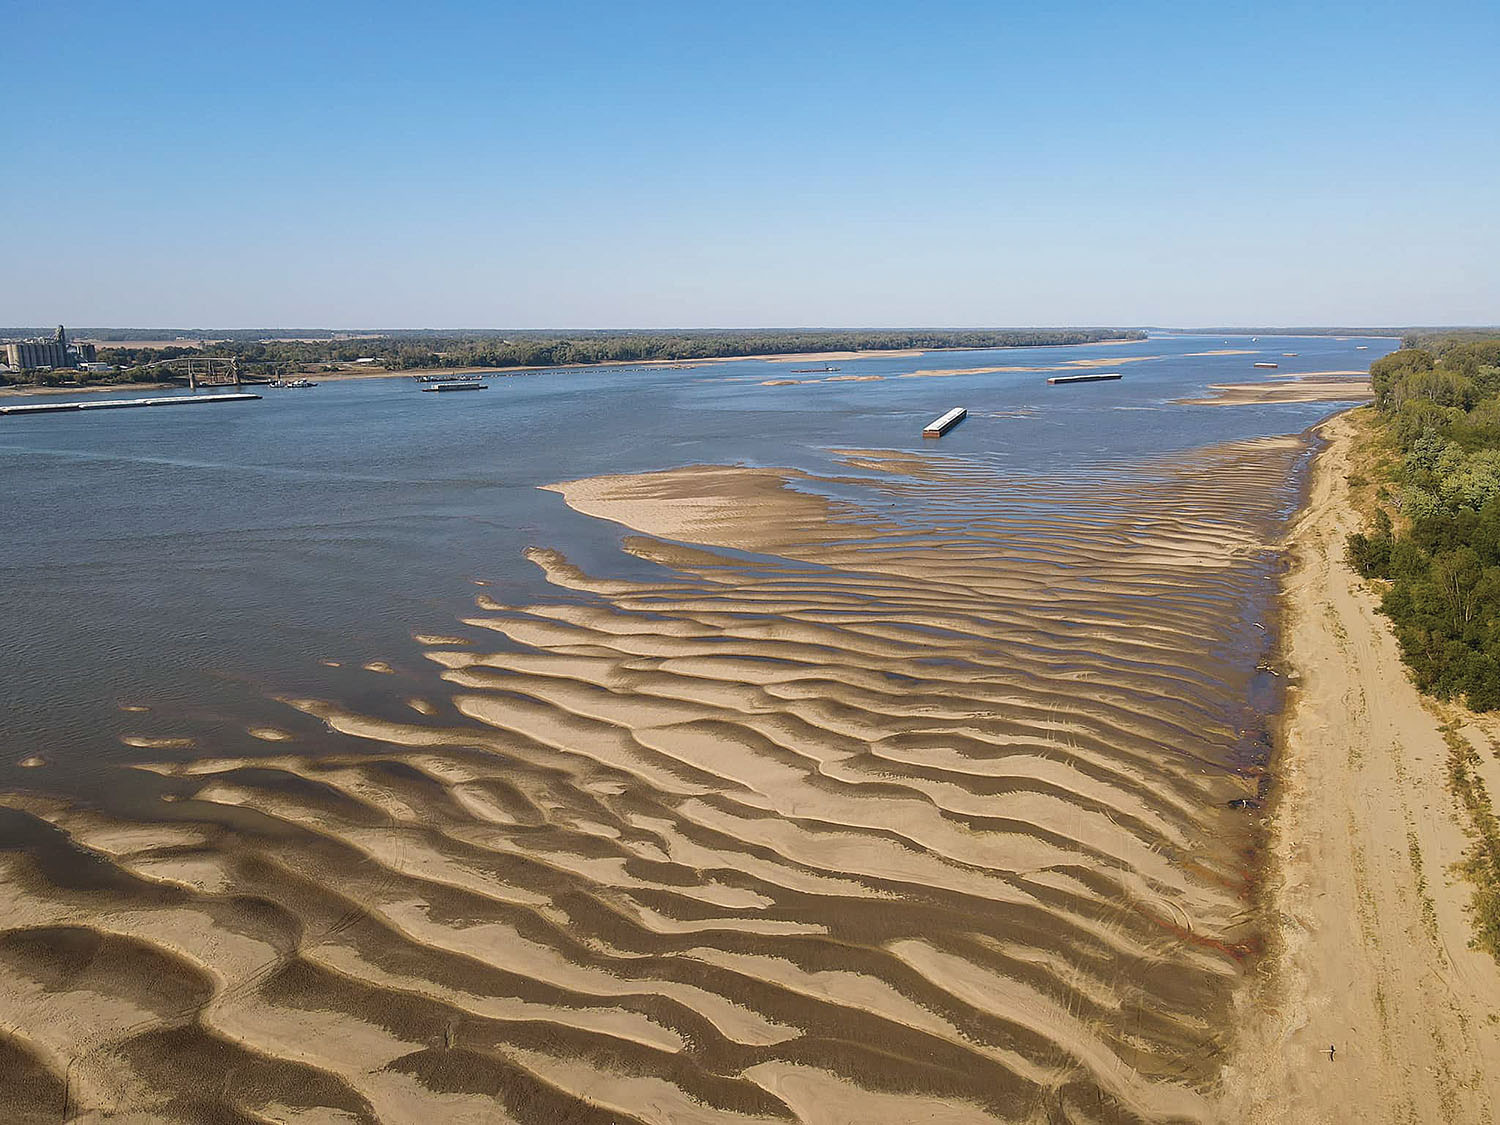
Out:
{"x": 1368, "y": 930}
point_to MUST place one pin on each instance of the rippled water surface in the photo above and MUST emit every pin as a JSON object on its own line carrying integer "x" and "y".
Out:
{"x": 861, "y": 779}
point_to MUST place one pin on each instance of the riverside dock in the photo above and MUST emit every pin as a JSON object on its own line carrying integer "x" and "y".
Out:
{"x": 125, "y": 403}
{"x": 1099, "y": 377}
{"x": 941, "y": 426}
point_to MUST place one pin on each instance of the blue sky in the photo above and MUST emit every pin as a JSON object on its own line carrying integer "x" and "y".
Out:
{"x": 745, "y": 164}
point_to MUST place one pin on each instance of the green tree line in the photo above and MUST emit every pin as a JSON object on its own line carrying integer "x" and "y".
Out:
{"x": 1436, "y": 534}
{"x": 406, "y": 351}
{"x": 544, "y": 351}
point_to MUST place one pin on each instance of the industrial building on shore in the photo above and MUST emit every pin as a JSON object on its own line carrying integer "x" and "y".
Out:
{"x": 44, "y": 352}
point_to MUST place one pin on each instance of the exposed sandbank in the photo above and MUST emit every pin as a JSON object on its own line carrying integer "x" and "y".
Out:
{"x": 824, "y": 816}
{"x": 1368, "y": 927}
{"x": 686, "y": 363}
{"x": 25, "y": 390}
{"x": 1066, "y": 365}
{"x": 1321, "y": 386}
{"x": 683, "y": 364}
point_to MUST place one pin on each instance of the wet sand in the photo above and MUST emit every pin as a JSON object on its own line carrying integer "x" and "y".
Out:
{"x": 947, "y": 372}
{"x": 684, "y": 363}
{"x": 26, "y": 390}
{"x": 1367, "y": 914}
{"x": 1323, "y": 386}
{"x": 1066, "y": 365}
{"x": 901, "y": 797}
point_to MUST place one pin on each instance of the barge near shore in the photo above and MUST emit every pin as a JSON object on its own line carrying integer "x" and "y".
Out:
{"x": 125, "y": 403}
{"x": 1099, "y": 377}
{"x": 941, "y": 426}
{"x": 456, "y": 387}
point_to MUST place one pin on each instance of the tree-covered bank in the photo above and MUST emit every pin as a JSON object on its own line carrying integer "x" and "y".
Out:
{"x": 1434, "y": 537}
{"x": 541, "y": 350}
{"x": 406, "y": 351}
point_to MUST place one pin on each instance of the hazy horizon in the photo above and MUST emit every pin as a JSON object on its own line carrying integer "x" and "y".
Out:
{"x": 381, "y": 330}
{"x": 672, "y": 165}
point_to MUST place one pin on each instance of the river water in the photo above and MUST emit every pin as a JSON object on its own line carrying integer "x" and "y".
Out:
{"x": 182, "y": 557}
{"x": 178, "y": 582}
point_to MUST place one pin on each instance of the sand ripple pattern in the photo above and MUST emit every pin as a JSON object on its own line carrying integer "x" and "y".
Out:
{"x": 900, "y": 796}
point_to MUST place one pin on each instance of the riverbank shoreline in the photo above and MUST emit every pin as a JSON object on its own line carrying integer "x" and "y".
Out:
{"x": 1370, "y": 1004}
{"x": 683, "y": 364}
{"x": 16, "y": 390}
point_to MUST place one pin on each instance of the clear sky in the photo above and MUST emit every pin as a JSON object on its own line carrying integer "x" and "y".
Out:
{"x": 714, "y": 163}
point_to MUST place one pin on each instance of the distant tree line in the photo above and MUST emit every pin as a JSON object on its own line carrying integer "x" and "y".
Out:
{"x": 1009, "y": 337}
{"x": 1330, "y": 330}
{"x": 1410, "y": 336}
{"x": 537, "y": 350}
{"x": 1436, "y": 533}
{"x": 406, "y": 351}
{"x": 1440, "y": 341}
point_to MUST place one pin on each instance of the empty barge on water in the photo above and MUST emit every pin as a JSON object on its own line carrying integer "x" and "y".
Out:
{"x": 125, "y": 403}
{"x": 1099, "y": 377}
{"x": 941, "y": 426}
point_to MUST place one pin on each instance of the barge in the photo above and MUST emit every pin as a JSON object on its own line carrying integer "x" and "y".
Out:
{"x": 1101, "y": 377}
{"x": 940, "y": 426}
{"x": 125, "y": 403}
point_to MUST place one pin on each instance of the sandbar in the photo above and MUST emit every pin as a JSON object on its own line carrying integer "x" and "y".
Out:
{"x": 1317, "y": 387}
{"x": 1366, "y": 911}
{"x": 809, "y": 812}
